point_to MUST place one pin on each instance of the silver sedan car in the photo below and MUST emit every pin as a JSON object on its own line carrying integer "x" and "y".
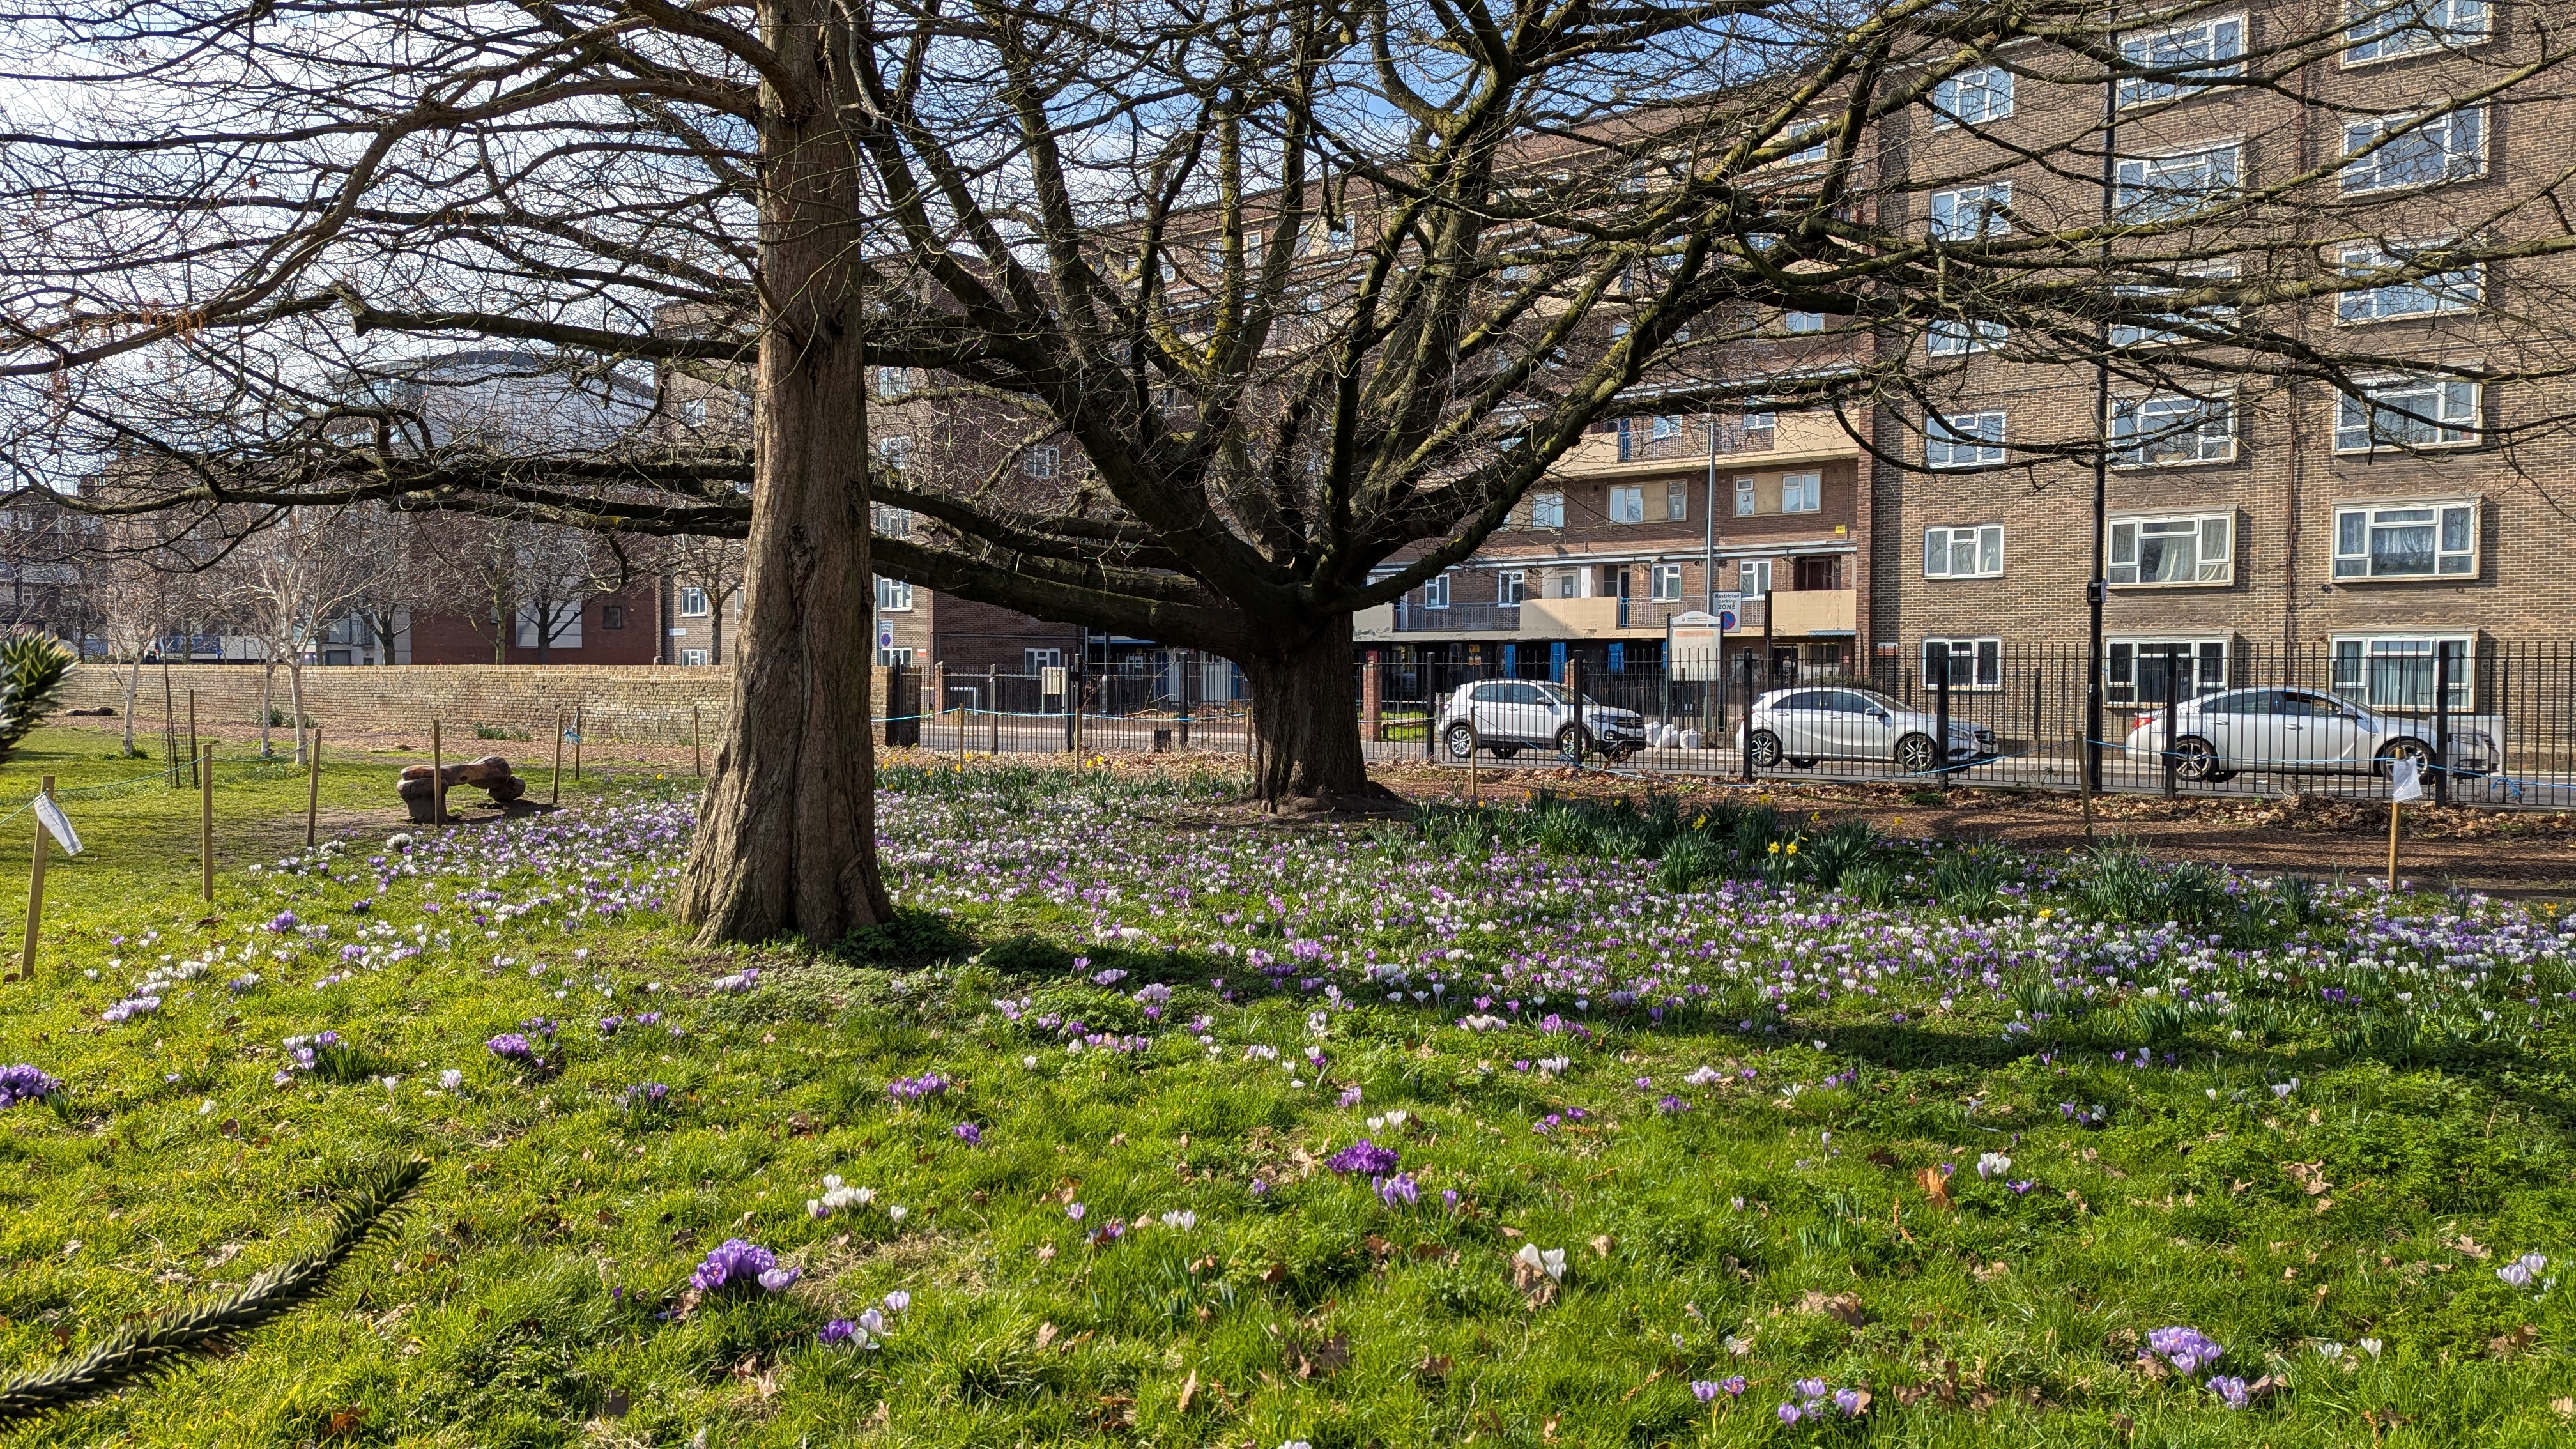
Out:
{"x": 1803, "y": 726}
{"x": 2297, "y": 731}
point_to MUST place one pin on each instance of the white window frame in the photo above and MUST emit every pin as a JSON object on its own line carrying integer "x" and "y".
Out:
{"x": 1818, "y": 139}
{"x": 2436, "y": 294}
{"x": 2348, "y": 654}
{"x": 693, "y": 411}
{"x": 2220, "y": 44}
{"x": 887, "y": 521}
{"x": 1950, "y": 337}
{"x": 1976, "y": 97}
{"x": 2378, "y": 31}
{"x": 2211, "y": 657}
{"x": 1676, "y": 502}
{"x": 1041, "y": 460}
{"x": 1666, "y": 427}
{"x": 1947, "y": 447}
{"x": 1664, "y": 583}
{"x": 2209, "y": 533}
{"x": 895, "y": 451}
{"x": 2146, "y": 189}
{"x": 1985, "y": 659}
{"x": 1746, "y": 499}
{"x": 2461, "y": 136}
{"x": 693, "y": 603}
{"x": 1510, "y": 586}
{"x": 1753, "y": 575}
{"x": 2356, "y": 566}
{"x": 1800, "y": 324}
{"x": 1802, "y": 492}
{"x": 1984, "y": 208}
{"x": 1628, "y": 503}
{"x": 693, "y": 658}
{"x": 1435, "y": 590}
{"x": 2159, "y": 417}
{"x": 894, "y": 382}
{"x": 1032, "y": 661}
{"x": 2131, "y": 334}
{"x": 1984, "y": 543}
{"x": 894, "y": 596}
{"x": 1547, "y": 510}
{"x": 2457, "y": 408}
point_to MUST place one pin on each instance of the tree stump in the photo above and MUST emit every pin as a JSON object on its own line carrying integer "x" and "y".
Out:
{"x": 490, "y": 774}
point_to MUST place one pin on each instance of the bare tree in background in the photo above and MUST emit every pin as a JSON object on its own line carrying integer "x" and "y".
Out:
{"x": 515, "y": 583}
{"x": 714, "y": 566}
{"x": 1313, "y": 292}
{"x": 288, "y": 581}
{"x": 134, "y": 601}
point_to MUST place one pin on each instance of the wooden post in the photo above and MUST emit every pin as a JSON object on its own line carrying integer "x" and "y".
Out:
{"x": 555, "y": 786}
{"x": 576, "y": 744}
{"x": 437, "y": 776}
{"x": 312, "y": 787}
{"x": 2393, "y": 808}
{"x": 192, "y": 734}
{"x": 205, "y": 762}
{"x": 170, "y": 727}
{"x": 698, "y": 740}
{"x": 36, "y": 892}
{"x": 993, "y": 706}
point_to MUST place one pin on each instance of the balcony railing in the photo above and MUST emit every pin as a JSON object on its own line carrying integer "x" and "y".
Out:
{"x": 1412, "y": 618}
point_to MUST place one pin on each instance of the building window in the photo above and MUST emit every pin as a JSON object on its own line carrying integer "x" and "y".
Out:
{"x": 895, "y": 452}
{"x": 2426, "y": 296}
{"x": 1510, "y": 586}
{"x": 1964, "y": 553}
{"x": 1753, "y": 576}
{"x": 1801, "y": 323}
{"x": 2192, "y": 549}
{"x": 2447, "y": 147}
{"x": 2200, "y": 320}
{"x": 1950, "y": 338}
{"x": 694, "y": 658}
{"x": 1972, "y": 663}
{"x": 2397, "y": 673}
{"x": 1666, "y": 428}
{"x": 1569, "y": 583}
{"x": 2407, "y": 540}
{"x": 1802, "y": 493}
{"x": 2188, "y": 55}
{"x": 2387, "y": 29}
{"x": 693, "y": 411}
{"x": 1676, "y": 502}
{"x": 693, "y": 603}
{"x": 1971, "y": 213}
{"x": 1627, "y": 505}
{"x": 2171, "y": 430}
{"x": 566, "y": 618}
{"x": 894, "y": 596}
{"x": 1816, "y": 138}
{"x": 1435, "y": 592}
{"x": 1034, "y": 660}
{"x": 887, "y": 521}
{"x": 1757, "y": 428}
{"x": 1547, "y": 510}
{"x": 2408, "y": 412}
{"x": 1973, "y": 98}
{"x": 2138, "y": 669}
{"x": 612, "y": 616}
{"x": 1040, "y": 461}
{"x": 1965, "y": 440}
{"x": 1744, "y": 498}
{"x": 2160, "y": 188}
{"x": 893, "y": 382}
{"x": 1665, "y": 583}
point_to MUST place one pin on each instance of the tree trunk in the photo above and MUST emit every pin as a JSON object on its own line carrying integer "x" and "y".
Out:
{"x": 786, "y": 837}
{"x": 1305, "y": 726}
{"x": 267, "y": 696}
{"x": 133, "y": 679}
{"x": 295, "y": 699}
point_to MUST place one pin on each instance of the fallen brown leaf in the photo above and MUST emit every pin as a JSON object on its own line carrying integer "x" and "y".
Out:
{"x": 1936, "y": 1188}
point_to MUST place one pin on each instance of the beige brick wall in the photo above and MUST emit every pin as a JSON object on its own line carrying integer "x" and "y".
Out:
{"x": 638, "y": 704}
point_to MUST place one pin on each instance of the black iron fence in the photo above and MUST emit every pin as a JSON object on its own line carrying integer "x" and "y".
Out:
{"x": 2481, "y": 720}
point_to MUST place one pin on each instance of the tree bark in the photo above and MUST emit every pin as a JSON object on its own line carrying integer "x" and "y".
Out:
{"x": 133, "y": 679}
{"x": 786, "y": 837}
{"x": 1305, "y": 728}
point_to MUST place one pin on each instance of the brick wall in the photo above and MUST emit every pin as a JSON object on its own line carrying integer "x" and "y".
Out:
{"x": 641, "y": 704}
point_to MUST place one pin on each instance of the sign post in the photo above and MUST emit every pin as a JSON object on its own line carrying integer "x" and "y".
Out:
{"x": 2405, "y": 782}
{"x": 206, "y": 821}
{"x": 50, "y": 825}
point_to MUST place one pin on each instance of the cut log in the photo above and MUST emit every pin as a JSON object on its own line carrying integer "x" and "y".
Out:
{"x": 490, "y": 773}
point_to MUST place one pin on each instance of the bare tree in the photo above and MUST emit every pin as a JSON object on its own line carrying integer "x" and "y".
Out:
{"x": 287, "y": 582}
{"x": 714, "y": 567}
{"x": 1307, "y": 295}
{"x": 134, "y": 604}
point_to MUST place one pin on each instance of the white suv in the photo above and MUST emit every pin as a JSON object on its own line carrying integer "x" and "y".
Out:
{"x": 1506, "y": 716}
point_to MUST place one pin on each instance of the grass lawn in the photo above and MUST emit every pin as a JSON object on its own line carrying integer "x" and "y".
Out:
{"x": 1153, "y": 1122}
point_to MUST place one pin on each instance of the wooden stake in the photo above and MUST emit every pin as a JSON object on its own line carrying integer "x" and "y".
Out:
{"x": 2393, "y": 808}
{"x": 313, "y": 787}
{"x": 205, "y": 763}
{"x": 555, "y": 796}
{"x": 170, "y": 728}
{"x": 36, "y": 892}
{"x": 437, "y": 777}
{"x": 192, "y": 732}
{"x": 576, "y": 744}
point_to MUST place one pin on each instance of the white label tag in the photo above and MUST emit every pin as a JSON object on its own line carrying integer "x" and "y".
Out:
{"x": 57, "y": 824}
{"x": 2405, "y": 782}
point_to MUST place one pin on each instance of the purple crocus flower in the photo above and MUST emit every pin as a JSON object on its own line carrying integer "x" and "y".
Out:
{"x": 2232, "y": 1390}
{"x": 510, "y": 1046}
{"x": 839, "y": 1330}
{"x": 1849, "y": 1401}
{"x": 1364, "y": 1158}
{"x": 1400, "y": 1188}
{"x": 970, "y": 1134}
{"x": 25, "y": 1083}
{"x": 2187, "y": 1349}
{"x": 737, "y": 1266}
{"x": 1705, "y": 1390}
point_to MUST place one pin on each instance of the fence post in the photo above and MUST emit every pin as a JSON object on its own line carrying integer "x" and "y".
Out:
{"x": 36, "y": 891}
{"x": 2034, "y": 712}
{"x": 1430, "y": 708}
{"x": 313, "y": 788}
{"x": 577, "y": 733}
{"x": 192, "y": 736}
{"x": 2442, "y": 723}
{"x": 206, "y": 822}
{"x": 1746, "y": 761}
{"x": 554, "y": 787}
{"x": 170, "y": 729}
{"x": 1941, "y": 713}
{"x": 2173, "y": 708}
{"x": 1574, "y": 688}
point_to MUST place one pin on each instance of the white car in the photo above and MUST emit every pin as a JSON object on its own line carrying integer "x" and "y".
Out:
{"x": 1803, "y": 726}
{"x": 2299, "y": 731}
{"x": 1506, "y": 716}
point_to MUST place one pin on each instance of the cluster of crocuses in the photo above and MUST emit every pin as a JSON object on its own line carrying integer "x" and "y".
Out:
{"x": 1815, "y": 1394}
{"x": 868, "y": 1330}
{"x": 914, "y": 1089}
{"x": 738, "y": 1266}
{"x": 2189, "y": 1351}
{"x": 25, "y": 1083}
{"x": 647, "y": 1095}
{"x": 309, "y": 1053}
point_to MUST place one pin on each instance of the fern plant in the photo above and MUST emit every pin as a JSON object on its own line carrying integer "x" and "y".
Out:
{"x": 32, "y": 670}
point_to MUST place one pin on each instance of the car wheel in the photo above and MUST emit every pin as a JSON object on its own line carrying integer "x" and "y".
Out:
{"x": 1571, "y": 742}
{"x": 1505, "y": 752}
{"x": 1462, "y": 740}
{"x": 2407, "y": 749}
{"x": 1915, "y": 754}
{"x": 1803, "y": 762}
{"x": 2195, "y": 759}
{"x": 1766, "y": 750}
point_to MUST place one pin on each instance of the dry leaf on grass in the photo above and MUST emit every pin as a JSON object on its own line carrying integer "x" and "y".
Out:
{"x": 1842, "y": 1307}
{"x": 1936, "y": 1188}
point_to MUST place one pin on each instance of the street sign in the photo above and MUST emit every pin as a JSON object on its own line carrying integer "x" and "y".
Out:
{"x": 885, "y": 637}
{"x": 1691, "y": 645}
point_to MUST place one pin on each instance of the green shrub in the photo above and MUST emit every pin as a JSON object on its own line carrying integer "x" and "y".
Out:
{"x": 33, "y": 668}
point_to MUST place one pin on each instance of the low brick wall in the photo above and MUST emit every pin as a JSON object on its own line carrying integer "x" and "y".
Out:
{"x": 639, "y": 704}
